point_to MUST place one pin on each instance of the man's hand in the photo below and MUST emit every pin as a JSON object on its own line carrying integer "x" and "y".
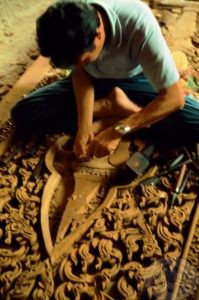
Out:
{"x": 104, "y": 143}
{"x": 82, "y": 140}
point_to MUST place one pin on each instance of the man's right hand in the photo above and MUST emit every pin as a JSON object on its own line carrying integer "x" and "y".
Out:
{"x": 83, "y": 138}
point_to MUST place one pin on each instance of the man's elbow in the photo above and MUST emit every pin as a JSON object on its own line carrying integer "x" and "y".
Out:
{"x": 181, "y": 97}
{"x": 176, "y": 93}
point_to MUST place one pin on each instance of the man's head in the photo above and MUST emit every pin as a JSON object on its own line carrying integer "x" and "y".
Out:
{"x": 70, "y": 33}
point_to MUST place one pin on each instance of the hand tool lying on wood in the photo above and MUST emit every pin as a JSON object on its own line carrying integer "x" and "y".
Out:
{"x": 181, "y": 183}
{"x": 176, "y": 163}
{"x": 140, "y": 161}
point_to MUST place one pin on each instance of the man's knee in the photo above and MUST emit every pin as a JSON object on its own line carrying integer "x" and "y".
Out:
{"x": 15, "y": 112}
{"x": 114, "y": 93}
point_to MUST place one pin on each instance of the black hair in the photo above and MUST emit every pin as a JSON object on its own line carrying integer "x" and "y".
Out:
{"x": 66, "y": 30}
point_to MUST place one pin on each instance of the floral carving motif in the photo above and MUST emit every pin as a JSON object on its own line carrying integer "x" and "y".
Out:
{"x": 112, "y": 242}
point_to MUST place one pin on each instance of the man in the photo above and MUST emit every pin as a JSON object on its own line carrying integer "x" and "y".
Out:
{"x": 123, "y": 75}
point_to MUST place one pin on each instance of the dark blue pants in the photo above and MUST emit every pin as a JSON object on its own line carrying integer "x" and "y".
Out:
{"x": 52, "y": 109}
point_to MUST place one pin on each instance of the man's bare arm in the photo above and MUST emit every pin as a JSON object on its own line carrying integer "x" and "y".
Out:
{"x": 168, "y": 101}
{"x": 84, "y": 93}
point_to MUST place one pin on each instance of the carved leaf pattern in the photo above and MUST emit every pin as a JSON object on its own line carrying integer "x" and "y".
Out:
{"x": 116, "y": 246}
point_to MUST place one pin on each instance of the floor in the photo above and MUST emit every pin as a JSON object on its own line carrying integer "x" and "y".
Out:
{"x": 67, "y": 230}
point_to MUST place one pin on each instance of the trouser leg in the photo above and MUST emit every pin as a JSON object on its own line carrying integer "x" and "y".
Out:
{"x": 52, "y": 109}
{"x": 49, "y": 109}
{"x": 181, "y": 127}
{"x": 188, "y": 116}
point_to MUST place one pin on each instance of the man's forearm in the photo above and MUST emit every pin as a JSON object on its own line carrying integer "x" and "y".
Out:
{"x": 167, "y": 102}
{"x": 84, "y": 93}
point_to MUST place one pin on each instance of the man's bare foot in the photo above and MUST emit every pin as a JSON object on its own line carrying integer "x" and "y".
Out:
{"x": 115, "y": 104}
{"x": 103, "y": 123}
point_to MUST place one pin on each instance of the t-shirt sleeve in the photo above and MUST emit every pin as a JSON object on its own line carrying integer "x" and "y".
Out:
{"x": 155, "y": 57}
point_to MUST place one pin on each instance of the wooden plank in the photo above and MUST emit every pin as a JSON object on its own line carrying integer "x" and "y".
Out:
{"x": 27, "y": 82}
{"x": 176, "y": 3}
{"x": 186, "y": 251}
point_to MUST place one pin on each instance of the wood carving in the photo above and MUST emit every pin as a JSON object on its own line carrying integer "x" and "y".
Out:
{"x": 109, "y": 242}
{"x": 49, "y": 188}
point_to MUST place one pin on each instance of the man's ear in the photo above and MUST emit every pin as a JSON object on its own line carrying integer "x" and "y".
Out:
{"x": 98, "y": 35}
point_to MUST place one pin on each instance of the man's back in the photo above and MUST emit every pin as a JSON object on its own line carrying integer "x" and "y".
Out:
{"x": 135, "y": 44}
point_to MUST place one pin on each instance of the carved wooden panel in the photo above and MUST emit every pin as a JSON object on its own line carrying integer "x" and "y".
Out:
{"x": 67, "y": 232}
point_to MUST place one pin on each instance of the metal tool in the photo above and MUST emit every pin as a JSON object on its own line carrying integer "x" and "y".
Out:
{"x": 176, "y": 163}
{"x": 37, "y": 171}
{"x": 139, "y": 161}
{"x": 178, "y": 187}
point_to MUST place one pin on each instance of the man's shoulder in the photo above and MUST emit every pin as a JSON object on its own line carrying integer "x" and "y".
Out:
{"x": 118, "y": 5}
{"x": 126, "y": 11}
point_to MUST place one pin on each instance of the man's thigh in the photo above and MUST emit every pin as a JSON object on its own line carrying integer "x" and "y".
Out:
{"x": 138, "y": 88}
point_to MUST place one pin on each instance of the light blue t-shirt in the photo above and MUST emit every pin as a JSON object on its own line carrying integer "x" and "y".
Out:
{"x": 136, "y": 45}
